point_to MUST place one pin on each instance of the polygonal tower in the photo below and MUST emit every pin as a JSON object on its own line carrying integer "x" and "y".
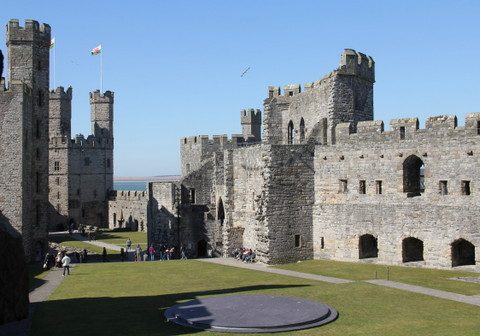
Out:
{"x": 28, "y": 56}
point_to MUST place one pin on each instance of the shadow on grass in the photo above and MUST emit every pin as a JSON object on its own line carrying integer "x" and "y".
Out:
{"x": 139, "y": 316}
{"x": 33, "y": 280}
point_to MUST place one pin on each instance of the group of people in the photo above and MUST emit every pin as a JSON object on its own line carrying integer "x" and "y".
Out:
{"x": 244, "y": 254}
{"x": 61, "y": 260}
{"x": 164, "y": 252}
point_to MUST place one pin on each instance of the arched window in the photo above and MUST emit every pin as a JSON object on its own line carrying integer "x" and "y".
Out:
{"x": 412, "y": 249}
{"x": 367, "y": 247}
{"x": 302, "y": 130}
{"x": 290, "y": 133}
{"x": 413, "y": 176}
{"x": 220, "y": 212}
{"x": 463, "y": 253}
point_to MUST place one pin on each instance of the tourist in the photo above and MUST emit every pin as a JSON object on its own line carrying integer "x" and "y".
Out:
{"x": 172, "y": 251}
{"x": 138, "y": 253}
{"x": 183, "y": 256}
{"x": 58, "y": 259}
{"x": 66, "y": 265}
{"x": 46, "y": 262}
{"x": 84, "y": 255}
{"x": 151, "y": 251}
{"x": 129, "y": 244}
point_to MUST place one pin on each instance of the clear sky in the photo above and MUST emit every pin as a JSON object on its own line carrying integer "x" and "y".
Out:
{"x": 175, "y": 66}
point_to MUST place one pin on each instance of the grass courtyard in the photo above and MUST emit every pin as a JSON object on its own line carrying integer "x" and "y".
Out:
{"x": 120, "y": 238}
{"x": 431, "y": 278}
{"x": 129, "y": 298}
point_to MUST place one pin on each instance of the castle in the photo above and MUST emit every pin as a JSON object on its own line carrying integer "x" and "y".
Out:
{"x": 43, "y": 170}
{"x": 326, "y": 181}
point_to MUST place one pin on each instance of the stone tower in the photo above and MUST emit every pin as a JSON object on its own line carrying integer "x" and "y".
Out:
{"x": 28, "y": 57}
{"x": 59, "y": 156}
{"x": 251, "y": 120}
{"x": 101, "y": 116}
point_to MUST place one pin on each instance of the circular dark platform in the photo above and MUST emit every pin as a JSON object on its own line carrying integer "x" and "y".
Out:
{"x": 250, "y": 313}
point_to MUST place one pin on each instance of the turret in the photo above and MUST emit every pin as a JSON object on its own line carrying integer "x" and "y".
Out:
{"x": 101, "y": 114}
{"x": 251, "y": 120}
{"x": 357, "y": 64}
{"x": 60, "y": 112}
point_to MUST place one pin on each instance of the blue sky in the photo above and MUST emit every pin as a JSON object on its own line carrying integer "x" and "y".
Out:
{"x": 175, "y": 66}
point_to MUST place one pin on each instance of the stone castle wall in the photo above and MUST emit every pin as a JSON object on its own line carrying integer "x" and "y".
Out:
{"x": 448, "y": 152}
{"x": 128, "y": 209}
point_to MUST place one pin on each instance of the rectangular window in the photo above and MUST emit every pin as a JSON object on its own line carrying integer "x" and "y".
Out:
{"x": 362, "y": 187}
{"x": 466, "y": 188}
{"x": 57, "y": 180}
{"x": 343, "y": 187}
{"x": 322, "y": 243}
{"x": 56, "y": 165}
{"x": 298, "y": 241}
{"x": 58, "y": 194}
{"x": 37, "y": 214}
{"x": 402, "y": 132}
{"x": 192, "y": 195}
{"x": 478, "y": 126}
{"x": 443, "y": 188}
{"x": 378, "y": 187}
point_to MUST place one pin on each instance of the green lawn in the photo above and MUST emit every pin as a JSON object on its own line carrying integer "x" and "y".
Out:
{"x": 67, "y": 240}
{"x": 120, "y": 238}
{"x": 432, "y": 278}
{"x": 130, "y": 298}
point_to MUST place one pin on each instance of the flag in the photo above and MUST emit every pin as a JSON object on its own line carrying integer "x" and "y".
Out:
{"x": 96, "y": 50}
{"x": 52, "y": 43}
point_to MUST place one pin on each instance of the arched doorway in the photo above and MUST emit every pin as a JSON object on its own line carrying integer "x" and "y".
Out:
{"x": 302, "y": 130}
{"x": 220, "y": 212}
{"x": 290, "y": 133}
{"x": 412, "y": 249}
{"x": 202, "y": 248}
{"x": 367, "y": 247}
{"x": 463, "y": 253}
{"x": 135, "y": 225}
{"x": 413, "y": 176}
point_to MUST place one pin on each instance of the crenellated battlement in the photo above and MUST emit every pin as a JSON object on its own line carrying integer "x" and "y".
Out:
{"x": 352, "y": 63}
{"x": 357, "y": 64}
{"x": 250, "y": 116}
{"x": 60, "y": 94}
{"x": 403, "y": 129}
{"x": 97, "y": 97}
{"x": 128, "y": 195}
{"x": 32, "y": 30}
{"x": 221, "y": 140}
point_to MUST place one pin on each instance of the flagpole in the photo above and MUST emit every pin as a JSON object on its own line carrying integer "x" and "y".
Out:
{"x": 54, "y": 66}
{"x": 101, "y": 71}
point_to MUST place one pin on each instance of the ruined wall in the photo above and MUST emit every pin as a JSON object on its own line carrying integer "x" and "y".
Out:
{"x": 346, "y": 94}
{"x": 288, "y": 199}
{"x": 128, "y": 209}
{"x": 14, "y": 276}
{"x": 162, "y": 213}
{"x": 247, "y": 167}
{"x": 343, "y": 213}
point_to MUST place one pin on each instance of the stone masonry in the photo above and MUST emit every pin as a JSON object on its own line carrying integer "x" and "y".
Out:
{"x": 24, "y": 135}
{"x": 80, "y": 169}
{"x": 327, "y": 181}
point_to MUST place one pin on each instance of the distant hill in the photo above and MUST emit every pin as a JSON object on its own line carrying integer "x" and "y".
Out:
{"x": 147, "y": 178}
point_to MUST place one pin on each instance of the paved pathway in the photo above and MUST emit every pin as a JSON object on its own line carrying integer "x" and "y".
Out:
{"x": 108, "y": 246}
{"x": 39, "y": 294}
{"x": 473, "y": 300}
{"x": 263, "y": 268}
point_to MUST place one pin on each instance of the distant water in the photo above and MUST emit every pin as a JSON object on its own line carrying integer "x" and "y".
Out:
{"x": 130, "y": 185}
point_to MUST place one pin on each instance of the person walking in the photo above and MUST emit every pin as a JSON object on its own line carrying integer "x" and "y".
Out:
{"x": 66, "y": 264}
{"x": 129, "y": 244}
{"x": 138, "y": 253}
{"x": 151, "y": 251}
{"x": 182, "y": 253}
